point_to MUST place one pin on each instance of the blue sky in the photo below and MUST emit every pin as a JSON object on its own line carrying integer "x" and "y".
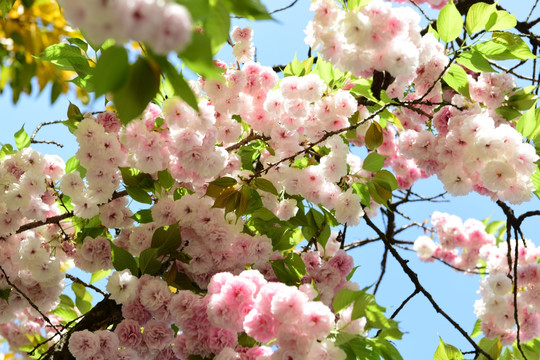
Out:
{"x": 277, "y": 42}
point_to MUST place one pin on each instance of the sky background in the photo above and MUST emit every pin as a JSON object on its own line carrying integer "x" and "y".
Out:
{"x": 277, "y": 42}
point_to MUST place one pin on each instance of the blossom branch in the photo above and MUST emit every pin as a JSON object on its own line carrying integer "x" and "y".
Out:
{"x": 32, "y": 304}
{"x": 58, "y": 218}
{"x": 414, "y": 278}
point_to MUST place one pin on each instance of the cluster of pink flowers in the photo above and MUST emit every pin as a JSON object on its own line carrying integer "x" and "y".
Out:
{"x": 165, "y": 26}
{"x": 101, "y": 154}
{"x": 28, "y": 264}
{"x": 211, "y": 324}
{"x": 27, "y": 190}
{"x": 462, "y": 245}
{"x": 470, "y": 153}
{"x": 214, "y": 242}
{"x": 328, "y": 273}
{"x": 496, "y": 307}
{"x": 243, "y": 49}
{"x": 374, "y": 37}
{"x": 28, "y": 194}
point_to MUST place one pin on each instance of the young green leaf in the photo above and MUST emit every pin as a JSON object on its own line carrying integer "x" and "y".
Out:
{"x": 456, "y": 78}
{"x": 22, "y": 140}
{"x": 111, "y": 70}
{"x": 373, "y": 162}
{"x": 447, "y": 352}
{"x": 449, "y": 22}
{"x": 501, "y": 20}
{"x": 138, "y": 90}
{"x": 477, "y": 17}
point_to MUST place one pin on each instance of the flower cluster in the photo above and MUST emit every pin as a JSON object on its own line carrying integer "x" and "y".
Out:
{"x": 471, "y": 153}
{"x": 460, "y": 244}
{"x": 496, "y": 308}
{"x": 27, "y": 190}
{"x": 165, "y": 26}
{"x": 211, "y": 324}
{"x": 375, "y": 37}
{"x": 101, "y": 153}
{"x": 243, "y": 49}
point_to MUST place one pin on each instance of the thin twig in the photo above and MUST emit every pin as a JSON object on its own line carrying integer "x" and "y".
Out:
{"x": 32, "y": 138}
{"x": 90, "y": 286}
{"x": 531, "y": 12}
{"x": 421, "y": 10}
{"x": 284, "y": 8}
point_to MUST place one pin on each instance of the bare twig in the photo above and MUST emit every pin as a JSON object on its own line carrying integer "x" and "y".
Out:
{"x": 32, "y": 138}
{"x": 284, "y": 8}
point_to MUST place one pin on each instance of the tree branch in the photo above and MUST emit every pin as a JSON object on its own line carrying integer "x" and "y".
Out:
{"x": 414, "y": 278}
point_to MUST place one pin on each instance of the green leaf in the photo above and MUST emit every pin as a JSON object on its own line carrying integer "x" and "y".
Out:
{"x": 4, "y": 294}
{"x": 177, "y": 82}
{"x": 224, "y": 182}
{"x": 373, "y": 162}
{"x": 374, "y": 136}
{"x": 22, "y": 140}
{"x": 523, "y": 99}
{"x": 5, "y": 6}
{"x": 492, "y": 347}
{"x": 505, "y": 46}
{"x": 83, "y": 45}
{"x": 265, "y": 185}
{"x": 474, "y": 61}
{"x": 456, "y": 78}
{"x": 167, "y": 239}
{"x": 501, "y": 20}
{"x": 508, "y": 113}
{"x": 250, "y": 9}
{"x": 447, "y": 352}
{"x": 385, "y": 348}
{"x": 362, "y": 191}
{"x": 83, "y": 299}
{"x": 67, "y": 313}
{"x": 140, "y": 87}
{"x": 344, "y": 298}
{"x": 477, "y": 17}
{"x": 434, "y": 32}
{"x": 199, "y": 58}
{"x": 67, "y": 57}
{"x": 386, "y": 179}
{"x": 148, "y": 262}
{"x": 356, "y": 4}
{"x": 139, "y": 195}
{"x": 143, "y": 216}
{"x": 7, "y": 149}
{"x": 100, "y": 274}
{"x": 122, "y": 259}
{"x": 528, "y": 122}
{"x": 217, "y": 25}
{"x": 449, "y": 22}
{"x": 536, "y": 182}
{"x": 111, "y": 70}
{"x": 165, "y": 179}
